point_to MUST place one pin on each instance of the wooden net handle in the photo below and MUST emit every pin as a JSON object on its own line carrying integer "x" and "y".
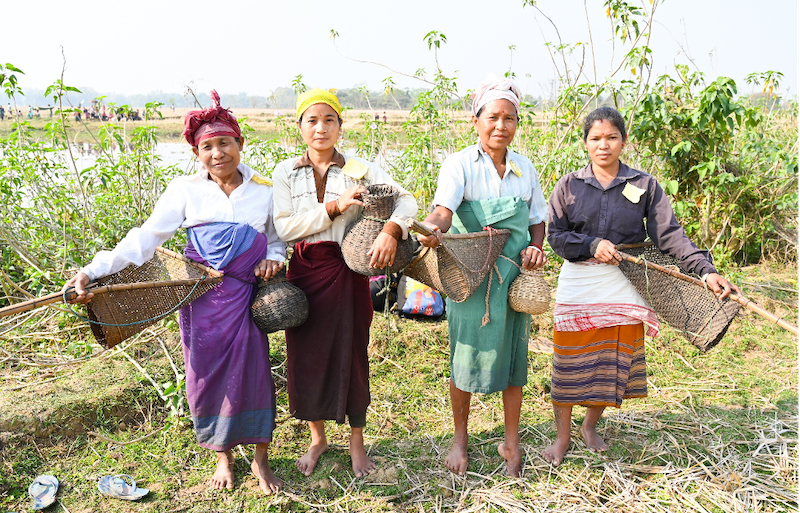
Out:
{"x": 418, "y": 227}
{"x": 96, "y": 289}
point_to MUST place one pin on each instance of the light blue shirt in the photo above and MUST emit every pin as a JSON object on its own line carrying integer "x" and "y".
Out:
{"x": 470, "y": 175}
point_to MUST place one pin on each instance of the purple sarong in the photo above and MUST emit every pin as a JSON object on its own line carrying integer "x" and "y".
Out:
{"x": 228, "y": 373}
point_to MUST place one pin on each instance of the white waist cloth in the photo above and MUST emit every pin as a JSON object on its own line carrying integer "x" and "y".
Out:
{"x": 591, "y": 295}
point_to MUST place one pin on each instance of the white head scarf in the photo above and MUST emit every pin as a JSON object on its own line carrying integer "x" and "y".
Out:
{"x": 493, "y": 88}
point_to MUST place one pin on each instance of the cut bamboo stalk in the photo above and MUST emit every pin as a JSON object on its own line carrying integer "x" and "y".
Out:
{"x": 734, "y": 297}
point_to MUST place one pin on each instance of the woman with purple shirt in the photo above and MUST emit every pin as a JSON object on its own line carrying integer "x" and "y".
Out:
{"x": 600, "y": 319}
{"x": 227, "y": 209}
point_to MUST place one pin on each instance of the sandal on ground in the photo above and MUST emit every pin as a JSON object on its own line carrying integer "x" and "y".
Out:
{"x": 43, "y": 491}
{"x": 121, "y": 486}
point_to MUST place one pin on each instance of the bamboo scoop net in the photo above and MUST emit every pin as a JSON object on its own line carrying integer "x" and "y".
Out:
{"x": 119, "y": 314}
{"x": 694, "y": 312}
{"x": 460, "y": 263}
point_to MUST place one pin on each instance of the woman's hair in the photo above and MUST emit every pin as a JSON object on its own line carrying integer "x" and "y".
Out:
{"x": 604, "y": 114}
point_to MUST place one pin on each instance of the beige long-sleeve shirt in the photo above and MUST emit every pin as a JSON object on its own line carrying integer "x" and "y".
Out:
{"x": 299, "y": 213}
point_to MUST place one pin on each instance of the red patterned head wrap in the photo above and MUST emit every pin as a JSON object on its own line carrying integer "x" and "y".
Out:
{"x": 211, "y": 122}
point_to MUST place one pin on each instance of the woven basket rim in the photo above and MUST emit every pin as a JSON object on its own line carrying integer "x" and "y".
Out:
{"x": 474, "y": 235}
{"x": 209, "y": 270}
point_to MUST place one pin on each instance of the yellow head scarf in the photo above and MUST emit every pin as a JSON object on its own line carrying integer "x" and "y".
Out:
{"x": 315, "y": 96}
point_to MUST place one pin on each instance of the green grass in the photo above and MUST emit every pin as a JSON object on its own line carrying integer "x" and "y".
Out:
{"x": 718, "y": 432}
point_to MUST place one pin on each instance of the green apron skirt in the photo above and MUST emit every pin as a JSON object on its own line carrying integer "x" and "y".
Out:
{"x": 494, "y": 356}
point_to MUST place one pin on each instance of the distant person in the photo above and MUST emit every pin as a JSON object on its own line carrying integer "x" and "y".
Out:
{"x": 2, "y": 113}
{"x": 384, "y": 116}
{"x": 377, "y": 117}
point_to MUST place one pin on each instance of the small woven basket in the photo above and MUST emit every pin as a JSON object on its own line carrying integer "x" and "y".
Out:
{"x": 147, "y": 304}
{"x": 529, "y": 293}
{"x": 696, "y": 313}
{"x": 378, "y": 207}
{"x": 279, "y": 305}
{"x": 460, "y": 263}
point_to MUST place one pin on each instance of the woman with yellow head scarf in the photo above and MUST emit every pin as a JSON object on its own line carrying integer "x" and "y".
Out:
{"x": 317, "y": 196}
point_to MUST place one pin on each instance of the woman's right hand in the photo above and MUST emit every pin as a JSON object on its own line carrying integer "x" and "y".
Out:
{"x": 350, "y": 197}
{"x": 607, "y": 253}
{"x": 430, "y": 241}
{"x": 79, "y": 281}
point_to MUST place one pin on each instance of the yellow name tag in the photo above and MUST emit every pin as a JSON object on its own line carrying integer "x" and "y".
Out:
{"x": 260, "y": 180}
{"x": 355, "y": 169}
{"x": 515, "y": 168}
{"x": 633, "y": 193}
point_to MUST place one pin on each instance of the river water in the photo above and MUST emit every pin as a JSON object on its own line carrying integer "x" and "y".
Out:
{"x": 179, "y": 154}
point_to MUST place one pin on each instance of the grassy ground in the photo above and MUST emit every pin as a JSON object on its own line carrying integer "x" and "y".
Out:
{"x": 717, "y": 433}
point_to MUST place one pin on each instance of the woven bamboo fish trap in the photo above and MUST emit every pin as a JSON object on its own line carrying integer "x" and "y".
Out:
{"x": 379, "y": 204}
{"x": 119, "y": 314}
{"x": 460, "y": 263}
{"x": 529, "y": 293}
{"x": 694, "y": 312}
{"x": 279, "y": 305}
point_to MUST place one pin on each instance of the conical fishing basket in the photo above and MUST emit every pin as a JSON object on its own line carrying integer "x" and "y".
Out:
{"x": 279, "y": 305}
{"x": 118, "y": 315}
{"x": 529, "y": 293}
{"x": 460, "y": 263}
{"x": 694, "y": 312}
{"x": 379, "y": 204}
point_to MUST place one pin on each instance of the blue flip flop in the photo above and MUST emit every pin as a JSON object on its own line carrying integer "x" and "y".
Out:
{"x": 43, "y": 491}
{"x": 121, "y": 486}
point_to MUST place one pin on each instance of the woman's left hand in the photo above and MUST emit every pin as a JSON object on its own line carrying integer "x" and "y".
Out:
{"x": 720, "y": 286}
{"x": 382, "y": 251}
{"x": 268, "y": 268}
{"x": 533, "y": 258}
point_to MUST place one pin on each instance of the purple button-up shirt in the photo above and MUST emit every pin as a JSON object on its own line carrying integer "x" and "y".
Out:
{"x": 582, "y": 213}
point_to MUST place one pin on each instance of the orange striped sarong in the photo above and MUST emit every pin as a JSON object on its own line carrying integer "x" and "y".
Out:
{"x": 598, "y": 367}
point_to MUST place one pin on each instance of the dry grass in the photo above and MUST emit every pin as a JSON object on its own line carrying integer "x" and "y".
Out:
{"x": 718, "y": 432}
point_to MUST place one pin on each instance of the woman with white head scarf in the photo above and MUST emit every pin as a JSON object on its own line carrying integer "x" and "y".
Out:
{"x": 487, "y": 185}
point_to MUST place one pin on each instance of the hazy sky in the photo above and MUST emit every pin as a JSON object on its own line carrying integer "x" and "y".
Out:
{"x": 255, "y": 46}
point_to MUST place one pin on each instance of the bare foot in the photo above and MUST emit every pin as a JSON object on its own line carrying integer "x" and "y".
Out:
{"x": 555, "y": 453}
{"x": 267, "y": 480}
{"x": 593, "y": 440}
{"x": 457, "y": 460}
{"x": 223, "y": 476}
{"x": 308, "y": 462}
{"x": 362, "y": 465}
{"x": 513, "y": 457}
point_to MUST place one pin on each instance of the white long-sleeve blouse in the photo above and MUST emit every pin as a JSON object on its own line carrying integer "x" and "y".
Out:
{"x": 189, "y": 201}
{"x": 298, "y": 214}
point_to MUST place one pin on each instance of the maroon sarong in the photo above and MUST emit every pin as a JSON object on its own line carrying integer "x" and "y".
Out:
{"x": 327, "y": 368}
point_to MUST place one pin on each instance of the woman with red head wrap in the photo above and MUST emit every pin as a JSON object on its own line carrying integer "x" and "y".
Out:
{"x": 226, "y": 208}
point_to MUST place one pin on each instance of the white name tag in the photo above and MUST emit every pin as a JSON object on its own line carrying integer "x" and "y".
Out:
{"x": 632, "y": 193}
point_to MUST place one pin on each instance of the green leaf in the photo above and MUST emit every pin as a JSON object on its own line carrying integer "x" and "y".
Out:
{"x": 672, "y": 187}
